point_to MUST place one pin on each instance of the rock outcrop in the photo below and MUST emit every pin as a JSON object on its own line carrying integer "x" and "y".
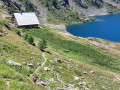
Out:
{"x": 10, "y": 62}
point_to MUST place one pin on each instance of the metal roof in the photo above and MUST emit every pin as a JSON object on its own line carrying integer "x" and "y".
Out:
{"x": 28, "y": 18}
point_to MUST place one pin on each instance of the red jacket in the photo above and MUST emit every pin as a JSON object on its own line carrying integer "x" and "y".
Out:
{"x": 34, "y": 79}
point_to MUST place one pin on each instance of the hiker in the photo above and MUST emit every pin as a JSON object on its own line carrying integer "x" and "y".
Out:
{"x": 35, "y": 79}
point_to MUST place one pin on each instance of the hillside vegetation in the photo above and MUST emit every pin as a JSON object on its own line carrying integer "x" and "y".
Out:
{"x": 74, "y": 50}
{"x": 14, "y": 48}
{"x": 67, "y": 62}
{"x": 71, "y": 64}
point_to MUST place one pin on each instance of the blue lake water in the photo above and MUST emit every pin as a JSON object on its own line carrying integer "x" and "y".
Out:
{"x": 106, "y": 27}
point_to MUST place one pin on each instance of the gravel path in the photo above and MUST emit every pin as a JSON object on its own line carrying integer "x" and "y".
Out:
{"x": 42, "y": 63}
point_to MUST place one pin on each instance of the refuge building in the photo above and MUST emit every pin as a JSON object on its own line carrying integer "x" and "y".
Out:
{"x": 25, "y": 19}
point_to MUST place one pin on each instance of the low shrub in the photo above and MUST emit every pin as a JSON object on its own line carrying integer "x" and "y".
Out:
{"x": 30, "y": 39}
{"x": 18, "y": 32}
{"x": 42, "y": 45}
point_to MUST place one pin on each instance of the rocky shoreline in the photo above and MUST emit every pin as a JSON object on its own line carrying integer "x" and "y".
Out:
{"x": 60, "y": 27}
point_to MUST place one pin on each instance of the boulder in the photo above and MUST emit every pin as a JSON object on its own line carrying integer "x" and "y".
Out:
{"x": 76, "y": 78}
{"x": 58, "y": 60}
{"x": 82, "y": 77}
{"x": 60, "y": 88}
{"x": 51, "y": 79}
{"x": 71, "y": 66}
{"x": 83, "y": 83}
{"x": 86, "y": 88}
{"x": 80, "y": 83}
{"x": 46, "y": 69}
{"x": 38, "y": 64}
{"x": 10, "y": 62}
{"x": 76, "y": 65}
{"x": 103, "y": 87}
{"x": 72, "y": 87}
{"x": 24, "y": 63}
{"x": 66, "y": 85}
{"x": 84, "y": 72}
{"x": 53, "y": 74}
{"x": 92, "y": 72}
{"x": 41, "y": 83}
{"x": 60, "y": 67}
{"x": 30, "y": 65}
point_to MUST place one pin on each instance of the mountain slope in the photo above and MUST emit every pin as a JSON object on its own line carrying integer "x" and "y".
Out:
{"x": 85, "y": 70}
{"x": 64, "y": 11}
{"x": 68, "y": 62}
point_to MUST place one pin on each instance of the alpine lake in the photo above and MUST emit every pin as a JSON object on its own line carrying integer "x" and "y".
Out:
{"x": 105, "y": 27}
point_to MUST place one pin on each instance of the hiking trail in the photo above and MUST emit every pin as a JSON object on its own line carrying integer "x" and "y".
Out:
{"x": 42, "y": 63}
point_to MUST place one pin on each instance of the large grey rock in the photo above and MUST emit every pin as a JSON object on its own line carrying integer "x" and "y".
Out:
{"x": 58, "y": 60}
{"x": 41, "y": 83}
{"x": 46, "y": 68}
{"x": 72, "y": 87}
{"x": 76, "y": 78}
{"x": 30, "y": 65}
{"x": 81, "y": 77}
{"x": 84, "y": 72}
{"x": 14, "y": 63}
{"x": 60, "y": 88}
{"x": 92, "y": 72}
{"x": 77, "y": 65}
{"x": 83, "y": 83}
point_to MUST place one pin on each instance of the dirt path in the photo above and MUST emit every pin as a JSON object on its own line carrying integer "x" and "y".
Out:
{"x": 42, "y": 63}
{"x": 117, "y": 76}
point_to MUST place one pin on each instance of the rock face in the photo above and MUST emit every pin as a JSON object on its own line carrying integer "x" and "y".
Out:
{"x": 14, "y": 63}
{"x": 85, "y": 7}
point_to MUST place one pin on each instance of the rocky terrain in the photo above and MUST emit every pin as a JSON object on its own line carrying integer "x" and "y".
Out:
{"x": 58, "y": 11}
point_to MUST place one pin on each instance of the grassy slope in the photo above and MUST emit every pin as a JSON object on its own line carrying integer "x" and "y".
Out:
{"x": 13, "y": 47}
{"x": 67, "y": 48}
{"x": 79, "y": 51}
{"x": 16, "y": 49}
{"x": 68, "y": 69}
